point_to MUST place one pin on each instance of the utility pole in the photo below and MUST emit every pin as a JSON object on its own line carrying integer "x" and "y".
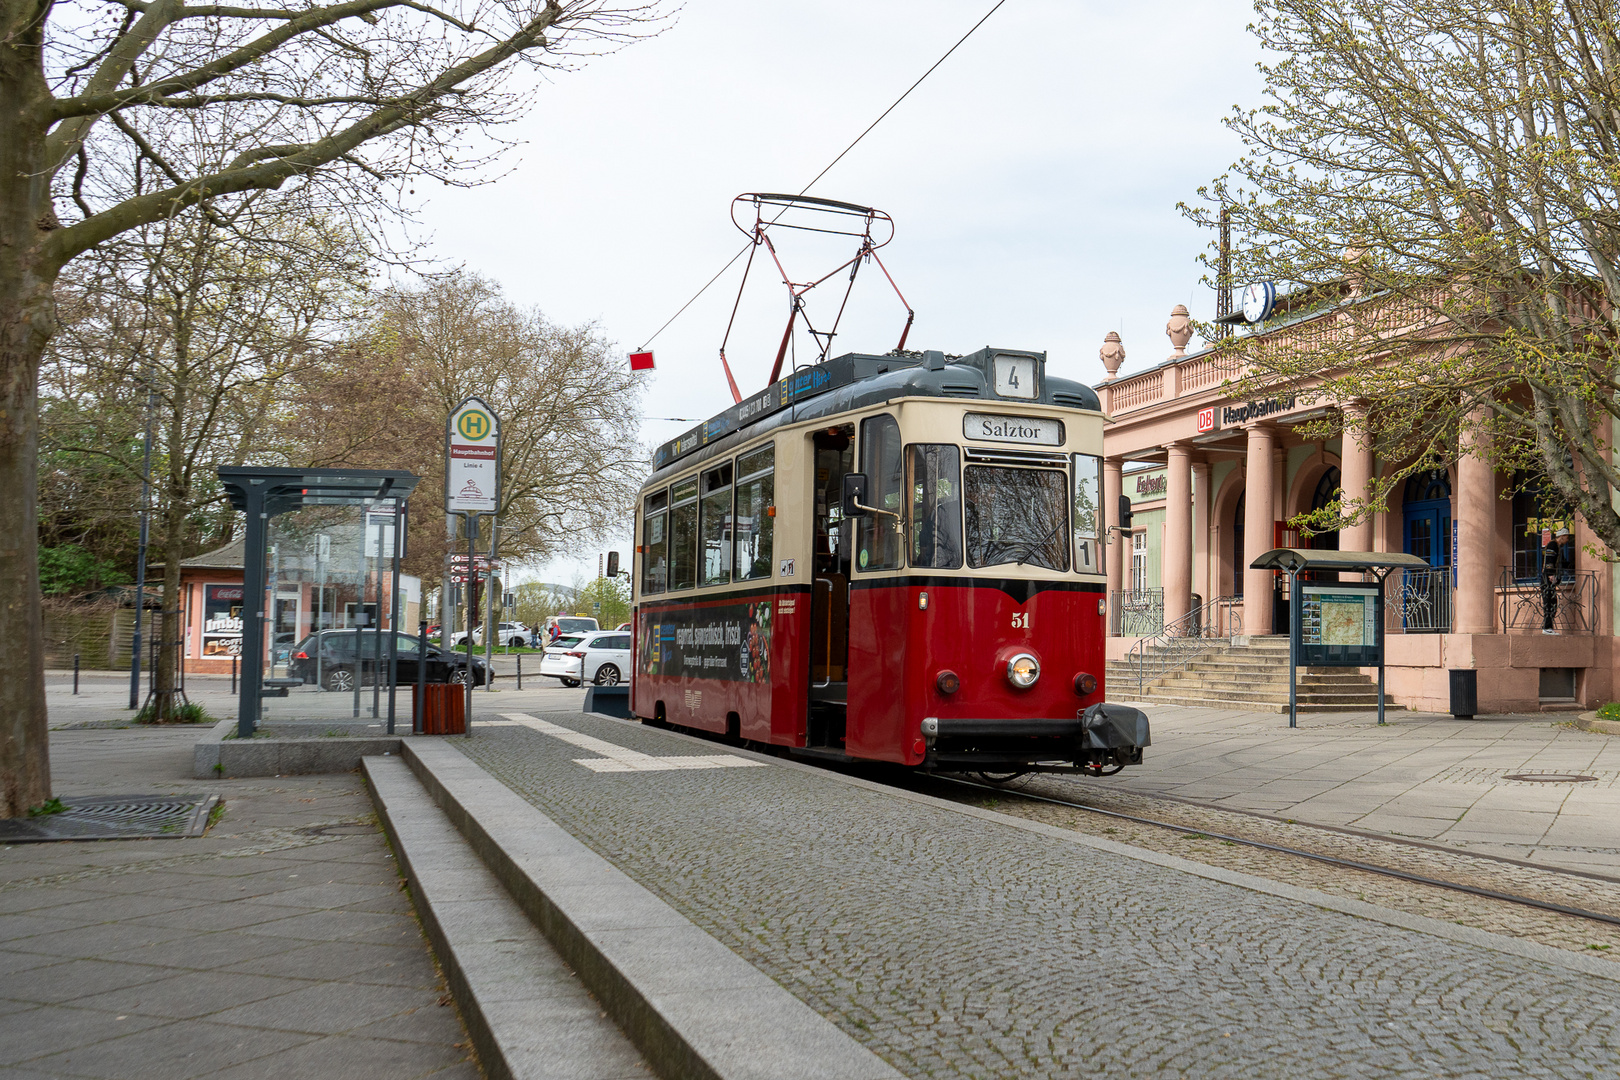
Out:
{"x": 140, "y": 558}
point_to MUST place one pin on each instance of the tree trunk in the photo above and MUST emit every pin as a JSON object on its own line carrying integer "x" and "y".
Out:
{"x": 26, "y": 322}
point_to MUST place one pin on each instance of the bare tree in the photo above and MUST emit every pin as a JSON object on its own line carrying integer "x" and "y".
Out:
{"x": 210, "y": 318}
{"x": 1438, "y": 184}
{"x": 124, "y": 114}
{"x": 570, "y": 411}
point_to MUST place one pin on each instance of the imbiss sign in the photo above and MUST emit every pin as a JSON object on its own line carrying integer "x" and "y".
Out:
{"x": 472, "y": 475}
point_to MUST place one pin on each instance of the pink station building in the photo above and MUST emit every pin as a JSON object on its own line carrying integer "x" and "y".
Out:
{"x": 1214, "y": 479}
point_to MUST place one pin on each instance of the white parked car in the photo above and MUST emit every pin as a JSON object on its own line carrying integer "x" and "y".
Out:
{"x": 514, "y": 634}
{"x": 601, "y": 658}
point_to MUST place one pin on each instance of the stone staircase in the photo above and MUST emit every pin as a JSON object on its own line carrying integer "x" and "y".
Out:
{"x": 1252, "y": 676}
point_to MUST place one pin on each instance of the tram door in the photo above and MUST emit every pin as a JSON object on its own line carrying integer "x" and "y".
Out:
{"x": 833, "y": 540}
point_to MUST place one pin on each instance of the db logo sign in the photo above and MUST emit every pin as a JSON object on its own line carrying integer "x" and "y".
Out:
{"x": 1206, "y": 419}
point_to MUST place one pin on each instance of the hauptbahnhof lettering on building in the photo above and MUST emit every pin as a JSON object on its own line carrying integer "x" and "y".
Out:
{"x": 1214, "y": 480}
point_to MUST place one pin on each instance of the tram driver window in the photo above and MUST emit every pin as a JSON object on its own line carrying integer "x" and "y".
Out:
{"x": 683, "y": 534}
{"x": 934, "y": 524}
{"x": 1088, "y": 549}
{"x": 1016, "y": 516}
{"x": 755, "y": 513}
{"x": 655, "y": 543}
{"x": 877, "y": 542}
{"x": 716, "y": 526}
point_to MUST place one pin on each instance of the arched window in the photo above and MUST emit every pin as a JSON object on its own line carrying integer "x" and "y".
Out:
{"x": 1327, "y": 489}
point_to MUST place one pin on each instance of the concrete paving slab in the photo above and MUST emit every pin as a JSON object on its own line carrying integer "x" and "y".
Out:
{"x": 157, "y": 930}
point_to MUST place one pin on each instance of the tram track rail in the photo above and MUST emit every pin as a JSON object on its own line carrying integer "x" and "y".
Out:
{"x": 1407, "y": 876}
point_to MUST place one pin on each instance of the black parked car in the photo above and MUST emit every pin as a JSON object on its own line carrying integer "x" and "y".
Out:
{"x": 336, "y": 666}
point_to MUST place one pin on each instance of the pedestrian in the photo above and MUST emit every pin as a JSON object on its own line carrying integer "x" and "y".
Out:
{"x": 555, "y": 634}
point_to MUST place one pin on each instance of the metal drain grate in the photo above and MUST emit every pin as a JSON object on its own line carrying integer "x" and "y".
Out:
{"x": 1549, "y": 778}
{"x": 115, "y": 817}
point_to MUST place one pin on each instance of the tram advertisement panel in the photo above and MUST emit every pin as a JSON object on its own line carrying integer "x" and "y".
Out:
{"x": 730, "y": 642}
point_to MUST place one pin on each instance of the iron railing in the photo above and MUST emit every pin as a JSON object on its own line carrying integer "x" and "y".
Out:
{"x": 1137, "y": 612}
{"x": 1572, "y": 602}
{"x": 1181, "y": 642}
{"x": 1418, "y": 601}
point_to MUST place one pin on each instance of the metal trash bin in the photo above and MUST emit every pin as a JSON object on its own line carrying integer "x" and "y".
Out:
{"x": 1464, "y": 693}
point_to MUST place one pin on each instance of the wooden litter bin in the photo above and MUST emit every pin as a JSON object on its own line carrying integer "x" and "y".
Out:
{"x": 444, "y": 708}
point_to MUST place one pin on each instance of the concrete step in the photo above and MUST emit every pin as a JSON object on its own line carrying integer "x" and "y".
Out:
{"x": 1263, "y": 694}
{"x": 1256, "y": 706}
{"x": 658, "y": 975}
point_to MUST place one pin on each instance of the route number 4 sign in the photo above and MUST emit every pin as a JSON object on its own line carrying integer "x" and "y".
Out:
{"x": 472, "y": 475}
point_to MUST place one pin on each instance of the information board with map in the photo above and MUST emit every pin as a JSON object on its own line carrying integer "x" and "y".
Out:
{"x": 1338, "y": 624}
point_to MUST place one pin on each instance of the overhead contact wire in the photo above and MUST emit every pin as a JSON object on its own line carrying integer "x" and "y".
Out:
{"x": 842, "y": 154}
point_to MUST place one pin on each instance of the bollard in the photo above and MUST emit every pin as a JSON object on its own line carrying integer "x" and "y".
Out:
{"x": 520, "y": 669}
{"x": 233, "y": 674}
{"x": 75, "y": 673}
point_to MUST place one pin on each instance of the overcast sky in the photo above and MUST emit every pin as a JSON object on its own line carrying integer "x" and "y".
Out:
{"x": 1033, "y": 181}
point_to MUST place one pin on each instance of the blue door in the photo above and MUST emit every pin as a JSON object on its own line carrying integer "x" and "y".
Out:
{"x": 1426, "y": 532}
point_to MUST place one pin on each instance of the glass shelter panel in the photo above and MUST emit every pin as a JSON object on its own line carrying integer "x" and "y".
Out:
{"x": 330, "y": 609}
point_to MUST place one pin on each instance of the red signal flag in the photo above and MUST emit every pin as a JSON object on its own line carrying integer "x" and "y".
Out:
{"x": 641, "y": 361}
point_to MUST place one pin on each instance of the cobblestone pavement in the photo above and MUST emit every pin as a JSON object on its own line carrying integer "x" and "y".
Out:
{"x": 1497, "y": 916}
{"x": 958, "y": 945}
{"x": 1424, "y": 776}
{"x": 279, "y": 945}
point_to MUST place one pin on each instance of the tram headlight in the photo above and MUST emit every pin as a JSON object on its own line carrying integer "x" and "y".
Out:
{"x": 1023, "y": 670}
{"x": 1085, "y": 684}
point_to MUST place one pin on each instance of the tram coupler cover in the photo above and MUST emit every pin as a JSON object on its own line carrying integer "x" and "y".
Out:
{"x": 1107, "y": 726}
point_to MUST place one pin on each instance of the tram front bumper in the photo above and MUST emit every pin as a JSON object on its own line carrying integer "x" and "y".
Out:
{"x": 1104, "y": 734}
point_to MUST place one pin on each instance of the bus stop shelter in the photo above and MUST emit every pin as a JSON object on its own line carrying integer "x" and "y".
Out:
{"x": 1340, "y": 623}
{"x": 262, "y": 494}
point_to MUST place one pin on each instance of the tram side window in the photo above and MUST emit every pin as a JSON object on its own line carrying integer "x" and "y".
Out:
{"x": 655, "y": 543}
{"x": 1016, "y": 516}
{"x": 683, "y": 534}
{"x": 717, "y": 525}
{"x": 1088, "y": 550}
{"x": 934, "y": 525}
{"x": 877, "y": 545}
{"x": 756, "y": 496}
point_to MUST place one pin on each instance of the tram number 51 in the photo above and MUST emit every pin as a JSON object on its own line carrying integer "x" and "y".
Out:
{"x": 1021, "y": 620}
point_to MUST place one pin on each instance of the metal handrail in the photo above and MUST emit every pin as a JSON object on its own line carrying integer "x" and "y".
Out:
{"x": 1168, "y": 651}
{"x": 1570, "y": 598}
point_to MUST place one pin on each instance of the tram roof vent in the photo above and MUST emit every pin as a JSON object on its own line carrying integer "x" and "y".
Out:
{"x": 934, "y": 360}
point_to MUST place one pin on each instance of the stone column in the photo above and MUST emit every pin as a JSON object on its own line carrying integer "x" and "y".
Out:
{"x": 1177, "y": 567}
{"x": 1203, "y": 536}
{"x": 1258, "y": 492}
{"x": 1474, "y": 510}
{"x": 1356, "y": 470}
{"x": 1117, "y": 552}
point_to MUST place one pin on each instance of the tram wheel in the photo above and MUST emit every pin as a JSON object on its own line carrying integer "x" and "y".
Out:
{"x": 1098, "y": 770}
{"x": 1001, "y": 777}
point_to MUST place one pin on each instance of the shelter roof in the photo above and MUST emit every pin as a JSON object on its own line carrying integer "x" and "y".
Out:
{"x": 1293, "y": 559}
{"x": 289, "y": 489}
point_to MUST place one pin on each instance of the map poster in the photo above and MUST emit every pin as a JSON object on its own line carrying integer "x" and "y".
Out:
{"x": 1338, "y": 623}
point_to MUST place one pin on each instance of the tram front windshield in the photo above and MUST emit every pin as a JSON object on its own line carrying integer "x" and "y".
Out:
{"x": 1016, "y": 516}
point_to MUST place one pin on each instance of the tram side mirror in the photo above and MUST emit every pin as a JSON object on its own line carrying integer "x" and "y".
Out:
{"x": 855, "y": 493}
{"x": 613, "y": 564}
{"x": 1125, "y": 511}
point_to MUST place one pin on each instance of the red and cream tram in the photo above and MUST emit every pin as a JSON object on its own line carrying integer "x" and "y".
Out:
{"x": 893, "y": 558}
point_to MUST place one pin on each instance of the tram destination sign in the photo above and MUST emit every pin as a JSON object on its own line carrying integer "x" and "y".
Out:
{"x": 989, "y": 427}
